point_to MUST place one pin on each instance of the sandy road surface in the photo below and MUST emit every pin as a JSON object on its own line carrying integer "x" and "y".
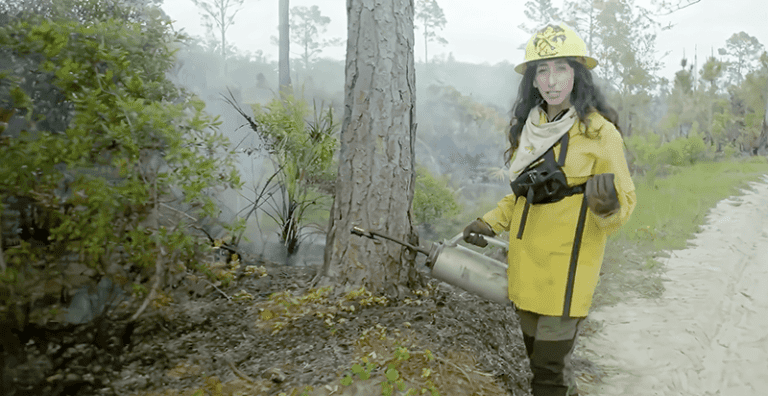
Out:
{"x": 708, "y": 334}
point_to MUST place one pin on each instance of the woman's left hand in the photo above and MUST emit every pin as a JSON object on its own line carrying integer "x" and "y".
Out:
{"x": 601, "y": 195}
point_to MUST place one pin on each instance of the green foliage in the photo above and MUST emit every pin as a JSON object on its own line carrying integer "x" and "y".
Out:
{"x": 394, "y": 372}
{"x": 457, "y": 118}
{"x": 307, "y": 23}
{"x": 644, "y": 149}
{"x": 684, "y": 81}
{"x": 623, "y": 41}
{"x": 729, "y": 151}
{"x": 649, "y": 152}
{"x": 745, "y": 51}
{"x": 721, "y": 125}
{"x": 362, "y": 372}
{"x": 125, "y": 139}
{"x": 541, "y": 13}
{"x": 284, "y": 308}
{"x": 302, "y": 153}
{"x": 304, "y": 149}
{"x": 82, "y": 11}
{"x": 430, "y": 16}
{"x": 712, "y": 71}
{"x": 669, "y": 211}
{"x": 432, "y": 198}
{"x": 218, "y": 16}
{"x": 683, "y": 151}
{"x": 671, "y": 208}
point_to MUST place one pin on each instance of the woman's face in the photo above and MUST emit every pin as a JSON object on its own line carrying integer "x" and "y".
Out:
{"x": 554, "y": 80}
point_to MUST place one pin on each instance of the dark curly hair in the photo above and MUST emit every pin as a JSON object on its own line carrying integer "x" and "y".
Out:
{"x": 586, "y": 97}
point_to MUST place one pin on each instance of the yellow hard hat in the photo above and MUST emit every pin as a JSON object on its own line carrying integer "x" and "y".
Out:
{"x": 556, "y": 42}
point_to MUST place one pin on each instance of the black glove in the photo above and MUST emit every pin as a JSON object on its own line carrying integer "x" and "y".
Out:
{"x": 473, "y": 232}
{"x": 601, "y": 195}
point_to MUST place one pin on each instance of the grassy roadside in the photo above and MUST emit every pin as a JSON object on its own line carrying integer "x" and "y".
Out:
{"x": 669, "y": 211}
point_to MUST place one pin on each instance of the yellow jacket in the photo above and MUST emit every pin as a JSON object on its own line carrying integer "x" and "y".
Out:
{"x": 539, "y": 262}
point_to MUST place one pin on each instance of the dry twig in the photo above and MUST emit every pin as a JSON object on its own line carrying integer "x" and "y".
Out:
{"x": 214, "y": 286}
{"x": 239, "y": 373}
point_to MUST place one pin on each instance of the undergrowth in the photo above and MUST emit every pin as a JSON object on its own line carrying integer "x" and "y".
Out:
{"x": 670, "y": 208}
{"x": 387, "y": 360}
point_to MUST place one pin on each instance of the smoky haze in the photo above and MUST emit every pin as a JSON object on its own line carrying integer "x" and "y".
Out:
{"x": 464, "y": 93}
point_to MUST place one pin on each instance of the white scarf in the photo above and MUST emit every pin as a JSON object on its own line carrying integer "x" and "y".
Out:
{"x": 536, "y": 139}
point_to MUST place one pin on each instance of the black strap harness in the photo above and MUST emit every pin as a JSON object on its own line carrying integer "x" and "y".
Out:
{"x": 543, "y": 183}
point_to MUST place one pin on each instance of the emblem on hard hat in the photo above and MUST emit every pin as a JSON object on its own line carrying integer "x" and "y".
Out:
{"x": 546, "y": 40}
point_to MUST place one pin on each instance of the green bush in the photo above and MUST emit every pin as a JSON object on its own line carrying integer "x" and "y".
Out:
{"x": 649, "y": 152}
{"x": 671, "y": 153}
{"x": 669, "y": 209}
{"x": 304, "y": 149}
{"x": 683, "y": 151}
{"x": 433, "y": 199}
{"x": 757, "y": 159}
{"x": 645, "y": 149}
{"x": 302, "y": 154}
{"x": 729, "y": 151}
{"x": 126, "y": 139}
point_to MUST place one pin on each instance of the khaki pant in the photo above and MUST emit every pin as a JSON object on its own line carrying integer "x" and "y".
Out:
{"x": 549, "y": 342}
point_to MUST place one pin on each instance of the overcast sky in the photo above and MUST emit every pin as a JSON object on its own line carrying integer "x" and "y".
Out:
{"x": 487, "y": 30}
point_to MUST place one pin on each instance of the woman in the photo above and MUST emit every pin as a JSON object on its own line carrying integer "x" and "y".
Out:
{"x": 566, "y": 156}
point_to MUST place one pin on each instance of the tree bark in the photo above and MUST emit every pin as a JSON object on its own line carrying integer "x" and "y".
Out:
{"x": 285, "y": 42}
{"x": 376, "y": 177}
{"x": 762, "y": 142}
{"x": 223, "y": 42}
{"x": 426, "y": 39}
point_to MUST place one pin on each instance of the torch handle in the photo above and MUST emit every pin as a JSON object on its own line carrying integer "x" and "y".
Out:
{"x": 493, "y": 241}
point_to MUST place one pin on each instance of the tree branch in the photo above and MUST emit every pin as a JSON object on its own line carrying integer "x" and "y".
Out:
{"x": 679, "y": 8}
{"x": 219, "y": 290}
{"x": 159, "y": 267}
{"x": 178, "y": 211}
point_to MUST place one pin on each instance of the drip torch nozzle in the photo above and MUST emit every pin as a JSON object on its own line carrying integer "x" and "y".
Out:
{"x": 370, "y": 234}
{"x": 361, "y": 232}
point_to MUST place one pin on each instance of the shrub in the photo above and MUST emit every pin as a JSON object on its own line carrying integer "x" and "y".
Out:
{"x": 432, "y": 199}
{"x": 683, "y": 151}
{"x": 645, "y": 148}
{"x": 125, "y": 143}
{"x": 729, "y": 151}
{"x": 302, "y": 154}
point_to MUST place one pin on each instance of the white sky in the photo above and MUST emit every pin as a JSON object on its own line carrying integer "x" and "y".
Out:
{"x": 487, "y": 30}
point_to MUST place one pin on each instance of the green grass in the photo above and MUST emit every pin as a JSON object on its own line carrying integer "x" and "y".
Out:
{"x": 669, "y": 211}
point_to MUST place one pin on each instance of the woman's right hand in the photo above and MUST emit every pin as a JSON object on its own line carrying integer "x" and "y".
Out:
{"x": 474, "y": 231}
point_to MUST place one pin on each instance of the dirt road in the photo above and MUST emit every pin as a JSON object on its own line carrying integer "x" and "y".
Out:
{"x": 708, "y": 334}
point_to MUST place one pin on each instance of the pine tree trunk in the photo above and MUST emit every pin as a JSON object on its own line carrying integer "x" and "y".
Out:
{"x": 376, "y": 177}
{"x": 284, "y": 68}
{"x": 426, "y": 42}
{"x": 762, "y": 142}
{"x": 224, "y": 47}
